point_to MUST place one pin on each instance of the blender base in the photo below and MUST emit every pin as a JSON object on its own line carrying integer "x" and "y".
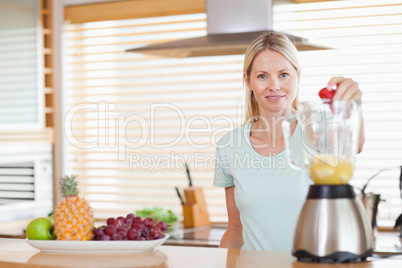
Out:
{"x": 337, "y": 257}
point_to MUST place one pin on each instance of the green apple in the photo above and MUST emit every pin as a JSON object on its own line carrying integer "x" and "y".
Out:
{"x": 40, "y": 229}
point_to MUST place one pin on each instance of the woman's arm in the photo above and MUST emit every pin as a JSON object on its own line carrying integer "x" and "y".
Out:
{"x": 233, "y": 237}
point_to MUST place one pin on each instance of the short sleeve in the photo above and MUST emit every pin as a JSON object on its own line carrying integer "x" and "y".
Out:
{"x": 221, "y": 178}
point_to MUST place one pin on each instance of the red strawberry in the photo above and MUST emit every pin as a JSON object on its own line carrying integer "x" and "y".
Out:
{"x": 326, "y": 94}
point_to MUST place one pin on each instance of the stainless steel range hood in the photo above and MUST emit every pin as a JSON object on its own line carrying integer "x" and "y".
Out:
{"x": 231, "y": 26}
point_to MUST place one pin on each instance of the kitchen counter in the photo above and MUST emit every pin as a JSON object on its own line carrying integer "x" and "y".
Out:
{"x": 17, "y": 253}
{"x": 388, "y": 242}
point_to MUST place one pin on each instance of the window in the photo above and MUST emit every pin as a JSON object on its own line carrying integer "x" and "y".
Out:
{"x": 134, "y": 120}
{"x": 20, "y": 65}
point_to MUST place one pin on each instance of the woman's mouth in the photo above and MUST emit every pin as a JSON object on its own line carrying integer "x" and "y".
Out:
{"x": 274, "y": 98}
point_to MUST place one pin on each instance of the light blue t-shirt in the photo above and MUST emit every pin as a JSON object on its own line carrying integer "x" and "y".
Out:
{"x": 268, "y": 193}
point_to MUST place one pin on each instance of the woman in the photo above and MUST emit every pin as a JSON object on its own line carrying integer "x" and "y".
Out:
{"x": 263, "y": 194}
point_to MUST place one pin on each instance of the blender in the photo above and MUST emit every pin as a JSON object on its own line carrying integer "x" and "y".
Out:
{"x": 333, "y": 225}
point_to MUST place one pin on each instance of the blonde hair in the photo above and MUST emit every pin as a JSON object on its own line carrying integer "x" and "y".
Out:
{"x": 273, "y": 41}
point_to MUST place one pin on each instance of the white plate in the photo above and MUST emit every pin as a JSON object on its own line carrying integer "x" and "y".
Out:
{"x": 125, "y": 246}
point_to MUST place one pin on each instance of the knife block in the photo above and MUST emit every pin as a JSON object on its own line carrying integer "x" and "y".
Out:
{"x": 195, "y": 212}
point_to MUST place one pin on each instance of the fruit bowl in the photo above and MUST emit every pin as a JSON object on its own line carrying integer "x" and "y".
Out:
{"x": 108, "y": 247}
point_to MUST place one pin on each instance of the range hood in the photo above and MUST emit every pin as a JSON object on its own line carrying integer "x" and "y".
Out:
{"x": 231, "y": 26}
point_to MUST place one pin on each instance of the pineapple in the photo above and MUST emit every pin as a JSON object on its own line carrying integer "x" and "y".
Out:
{"x": 73, "y": 217}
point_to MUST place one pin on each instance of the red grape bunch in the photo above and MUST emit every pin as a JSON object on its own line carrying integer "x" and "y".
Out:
{"x": 130, "y": 228}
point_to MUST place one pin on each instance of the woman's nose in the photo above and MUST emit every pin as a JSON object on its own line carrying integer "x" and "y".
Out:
{"x": 274, "y": 85}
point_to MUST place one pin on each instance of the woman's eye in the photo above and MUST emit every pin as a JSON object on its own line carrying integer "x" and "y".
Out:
{"x": 262, "y": 76}
{"x": 284, "y": 75}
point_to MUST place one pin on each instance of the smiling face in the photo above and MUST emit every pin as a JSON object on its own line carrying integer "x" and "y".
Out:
{"x": 273, "y": 80}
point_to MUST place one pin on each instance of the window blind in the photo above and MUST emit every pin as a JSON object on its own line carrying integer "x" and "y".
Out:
{"x": 132, "y": 120}
{"x": 19, "y": 65}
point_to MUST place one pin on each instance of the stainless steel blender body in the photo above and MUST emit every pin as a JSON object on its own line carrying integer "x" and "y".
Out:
{"x": 333, "y": 226}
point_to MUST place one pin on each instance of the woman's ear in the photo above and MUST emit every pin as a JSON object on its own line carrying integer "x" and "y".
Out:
{"x": 245, "y": 78}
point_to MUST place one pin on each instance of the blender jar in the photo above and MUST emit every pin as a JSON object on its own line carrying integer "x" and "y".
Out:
{"x": 330, "y": 136}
